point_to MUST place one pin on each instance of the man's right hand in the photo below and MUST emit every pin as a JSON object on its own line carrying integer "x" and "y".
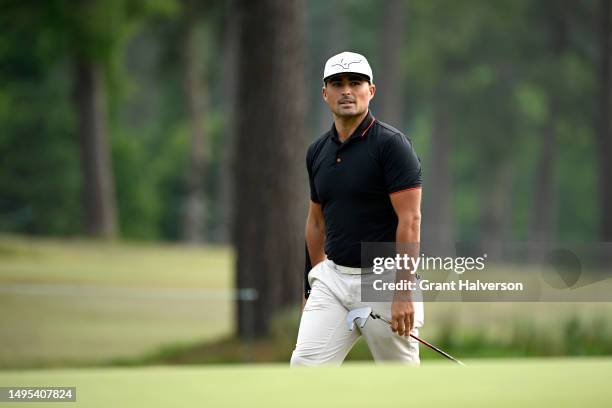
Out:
{"x": 402, "y": 316}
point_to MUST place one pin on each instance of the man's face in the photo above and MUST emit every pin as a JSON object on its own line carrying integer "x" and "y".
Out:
{"x": 348, "y": 94}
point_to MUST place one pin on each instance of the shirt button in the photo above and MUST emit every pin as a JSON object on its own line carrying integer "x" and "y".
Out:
{"x": 338, "y": 160}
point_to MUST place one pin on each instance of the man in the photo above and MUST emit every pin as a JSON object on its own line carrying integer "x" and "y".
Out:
{"x": 365, "y": 186}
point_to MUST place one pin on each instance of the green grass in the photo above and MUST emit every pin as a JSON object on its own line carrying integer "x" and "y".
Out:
{"x": 114, "y": 264}
{"x": 499, "y": 383}
{"x": 110, "y": 314}
{"x": 110, "y": 321}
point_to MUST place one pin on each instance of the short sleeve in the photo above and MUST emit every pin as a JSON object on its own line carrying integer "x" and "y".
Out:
{"x": 401, "y": 165}
{"x": 309, "y": 163}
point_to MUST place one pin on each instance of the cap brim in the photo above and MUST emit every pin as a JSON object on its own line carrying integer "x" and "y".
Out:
{"x": 364, "y": 76}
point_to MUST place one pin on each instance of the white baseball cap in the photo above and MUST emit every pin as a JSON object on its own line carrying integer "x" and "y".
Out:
{"x": 347, "y": 62}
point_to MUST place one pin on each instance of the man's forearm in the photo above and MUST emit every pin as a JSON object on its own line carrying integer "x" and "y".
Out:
{"x": 408, "y": 243}
{"x": 315, "y": 241}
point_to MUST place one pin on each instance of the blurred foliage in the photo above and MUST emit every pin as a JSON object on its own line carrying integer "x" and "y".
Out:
{"x": 492, "y": 65}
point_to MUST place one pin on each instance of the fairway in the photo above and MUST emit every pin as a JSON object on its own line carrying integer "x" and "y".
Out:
{"x": 67, "y": 301}
{"x": 500, "y": 383}
{"x": 78, "y": 300}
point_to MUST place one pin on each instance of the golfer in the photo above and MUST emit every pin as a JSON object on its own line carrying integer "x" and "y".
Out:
{"x": 365, "y": 186}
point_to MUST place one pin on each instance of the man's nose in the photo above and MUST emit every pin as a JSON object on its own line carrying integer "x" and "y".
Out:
{"x": 346, "y": 89}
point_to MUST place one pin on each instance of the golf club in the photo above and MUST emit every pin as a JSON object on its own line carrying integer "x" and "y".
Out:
{"x": 362, "y": 314}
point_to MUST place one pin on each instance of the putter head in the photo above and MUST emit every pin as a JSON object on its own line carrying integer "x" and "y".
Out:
{"x": 361, "y": 315}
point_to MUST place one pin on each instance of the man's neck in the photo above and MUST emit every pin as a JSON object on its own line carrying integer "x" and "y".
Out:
{"x": 345, "y": 126}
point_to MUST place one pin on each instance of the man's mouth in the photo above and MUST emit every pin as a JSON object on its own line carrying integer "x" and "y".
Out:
{"x": 346, "y": 102}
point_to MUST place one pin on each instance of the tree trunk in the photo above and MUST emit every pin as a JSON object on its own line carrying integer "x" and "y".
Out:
{"x": 230, "y": 72}
{"x": 542, "y": 223}
{"x": 437, "y": 183}
{"x": 96, "y": 165}
{"x": 390, "y": 83}
{"x": 270, "y": 184}
{"x": 544, "y": 199}
{"x": 496, "y": 204}
{"x": 194, "y": 210}
{"x": 604, "y": 127}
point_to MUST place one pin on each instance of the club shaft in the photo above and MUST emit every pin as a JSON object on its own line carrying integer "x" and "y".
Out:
{"x": 431, "y": 346}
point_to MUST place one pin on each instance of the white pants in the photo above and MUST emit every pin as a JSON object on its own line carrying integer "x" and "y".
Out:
{"x": 324, "y": 337}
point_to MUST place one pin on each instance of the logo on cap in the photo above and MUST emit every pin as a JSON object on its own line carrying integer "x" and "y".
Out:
{"x": 345, "y": 65}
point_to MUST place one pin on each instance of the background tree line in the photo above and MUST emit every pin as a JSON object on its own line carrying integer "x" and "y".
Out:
{"x": 188, "y": 120}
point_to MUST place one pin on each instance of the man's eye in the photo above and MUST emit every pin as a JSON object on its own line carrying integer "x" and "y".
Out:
{"x": 355, "y": 83}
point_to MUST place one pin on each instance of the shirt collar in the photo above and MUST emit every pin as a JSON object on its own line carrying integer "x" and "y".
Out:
{"x": 359, "y": 133}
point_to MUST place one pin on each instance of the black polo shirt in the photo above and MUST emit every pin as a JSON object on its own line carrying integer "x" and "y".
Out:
{"x": 352, "y": 182}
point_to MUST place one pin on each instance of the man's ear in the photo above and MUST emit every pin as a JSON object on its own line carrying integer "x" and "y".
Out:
{"x": 372, "y": 90}
{"x": 324, "y": 93}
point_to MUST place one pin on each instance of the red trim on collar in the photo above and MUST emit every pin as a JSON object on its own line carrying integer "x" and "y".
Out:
{"x": 368, "y": 128}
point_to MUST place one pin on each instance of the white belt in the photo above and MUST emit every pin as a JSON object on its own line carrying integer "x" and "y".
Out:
{"x": 346, "y": 269}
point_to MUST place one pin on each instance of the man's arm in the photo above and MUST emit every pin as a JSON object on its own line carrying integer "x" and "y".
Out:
{"x": 407, "y": 206}
{"x": 315, "y": 234}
